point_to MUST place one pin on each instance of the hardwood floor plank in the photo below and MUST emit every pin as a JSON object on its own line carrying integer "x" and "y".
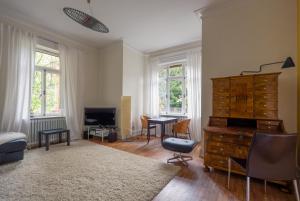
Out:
{"x": 193, "y": 184}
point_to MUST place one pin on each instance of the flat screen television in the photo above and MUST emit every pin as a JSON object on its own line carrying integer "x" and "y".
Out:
{"x": 100, "y": 116}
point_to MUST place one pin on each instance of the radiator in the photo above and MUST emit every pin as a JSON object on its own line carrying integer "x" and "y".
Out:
{"x": 44, "y": 123}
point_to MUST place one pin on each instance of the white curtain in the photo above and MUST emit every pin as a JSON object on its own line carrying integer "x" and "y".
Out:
{"x": 194, "y": 91}
{"x": 193, "y": 66}
{"x": 16, "y": 70}
{"x": 71, "y": 91}
{"x": 152, "y": 88}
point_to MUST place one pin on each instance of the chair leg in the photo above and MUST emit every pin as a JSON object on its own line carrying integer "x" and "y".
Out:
{"x": 155, "y": 131}
{"x": 68, "y": 138}
{"x": 265, "y": 181}
{"x": 142, "y": 132}
{"x": 295, "y": 182}
{"x": 40, "y": 139}
{"x": 248, "y": 189}
{"x": 47, "y": 142}
{"x": 229, "y": 172}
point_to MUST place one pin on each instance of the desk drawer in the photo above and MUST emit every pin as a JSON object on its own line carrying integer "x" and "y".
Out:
{"x": 220, "y": 162}
{"x": 216, "y": 160}
{"x": 219, "y": 122}
{"x": 235, "y": 139}
{"x": 240, "y": 152}
{"x": 227, "y": 149}
{"x": 219, "y": 148}
{"x": 269, "y": 125}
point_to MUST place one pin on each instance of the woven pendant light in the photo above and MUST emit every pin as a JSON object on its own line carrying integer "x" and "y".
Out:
{"x": 85, "y": 19}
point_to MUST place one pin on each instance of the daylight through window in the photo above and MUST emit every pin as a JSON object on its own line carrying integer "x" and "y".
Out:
{"x": 172, "y": 90}
{"x": 46, "y": 97}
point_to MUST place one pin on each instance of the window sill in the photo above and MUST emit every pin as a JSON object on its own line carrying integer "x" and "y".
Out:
{"x": 174, "y": 115}
{"x": 47, "y": 117}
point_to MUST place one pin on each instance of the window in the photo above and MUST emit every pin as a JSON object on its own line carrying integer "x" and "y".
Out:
{"x": 172, "y": 90}
{"x": 46, "y": 92}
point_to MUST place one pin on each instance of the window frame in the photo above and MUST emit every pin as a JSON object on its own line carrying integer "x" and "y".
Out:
{"x": 169, "y": 78}
{"x": 44, "y": 71}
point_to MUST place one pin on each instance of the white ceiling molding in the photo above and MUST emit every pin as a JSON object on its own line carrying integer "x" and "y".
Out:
{"x": 198, "y": 13}
{"x": 42, "y": 32}
{"x": 214, "y": 8}
{"x": 125, "y": 44}
{"x": 146, "y": 25}
{"x": 176, "y": 49}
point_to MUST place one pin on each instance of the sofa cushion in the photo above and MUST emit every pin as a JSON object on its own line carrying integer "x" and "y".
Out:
{"x": 179, "y": 145}
{"x": 13, "y": 146}
{"x": 11, "y": 136}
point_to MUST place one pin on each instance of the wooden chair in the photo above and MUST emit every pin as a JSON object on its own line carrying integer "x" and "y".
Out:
{"x": 144, "y": 121}
{"x": 182, "y": 127}
{"x": 271, "y": 157}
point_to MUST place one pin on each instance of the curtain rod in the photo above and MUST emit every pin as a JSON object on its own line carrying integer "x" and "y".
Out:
{"x": 43, "y": 38}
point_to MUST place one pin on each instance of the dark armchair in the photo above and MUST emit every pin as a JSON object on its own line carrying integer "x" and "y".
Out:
{"x": 271, "y": 157}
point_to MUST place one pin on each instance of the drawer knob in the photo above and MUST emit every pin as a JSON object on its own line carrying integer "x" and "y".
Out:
{"x": 241, "y": 137}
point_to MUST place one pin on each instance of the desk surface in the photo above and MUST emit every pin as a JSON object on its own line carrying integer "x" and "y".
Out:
{"x": 162, "y": 119}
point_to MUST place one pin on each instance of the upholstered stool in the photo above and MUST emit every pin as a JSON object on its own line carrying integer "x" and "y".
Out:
{"x": 12, "y": 146}
{"x": 179, "y": 146}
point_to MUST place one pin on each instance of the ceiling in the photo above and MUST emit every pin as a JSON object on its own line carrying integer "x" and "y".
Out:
{"x": 146, "y": 25}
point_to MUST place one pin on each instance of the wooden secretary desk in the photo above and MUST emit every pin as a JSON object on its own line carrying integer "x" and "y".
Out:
{"x": 241, "y": 106}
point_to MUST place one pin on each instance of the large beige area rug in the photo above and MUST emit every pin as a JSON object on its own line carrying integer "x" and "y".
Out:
{"x": 81, "y": 172}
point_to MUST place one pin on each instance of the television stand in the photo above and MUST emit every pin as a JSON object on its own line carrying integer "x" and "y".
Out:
{"x": 96, "y": 131}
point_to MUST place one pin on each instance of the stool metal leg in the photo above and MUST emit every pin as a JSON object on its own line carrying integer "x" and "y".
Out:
{"x": 179, "y": 157}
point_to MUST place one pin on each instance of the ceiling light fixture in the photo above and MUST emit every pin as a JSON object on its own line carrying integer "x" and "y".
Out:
{"x": 86, "y": 19}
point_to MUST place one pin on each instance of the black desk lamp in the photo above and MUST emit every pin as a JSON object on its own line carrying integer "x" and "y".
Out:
{"x": 288, "y": 63}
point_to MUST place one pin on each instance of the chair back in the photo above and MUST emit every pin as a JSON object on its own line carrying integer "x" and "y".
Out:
{"x": 144, "y": 121}
{"x": 182, "y": 126}
{"x": 272, "y": 157}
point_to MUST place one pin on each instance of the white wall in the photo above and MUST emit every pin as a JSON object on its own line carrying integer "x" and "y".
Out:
{"x": 133, "y": 64}
{"x": 121, "y": 74}
{"x": 241, "y": 35}
{"x": 111, "y": 76}
{"x": 91, "y": 72}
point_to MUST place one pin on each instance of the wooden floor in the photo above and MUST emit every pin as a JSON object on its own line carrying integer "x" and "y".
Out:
{"x": 192, "y": 183}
